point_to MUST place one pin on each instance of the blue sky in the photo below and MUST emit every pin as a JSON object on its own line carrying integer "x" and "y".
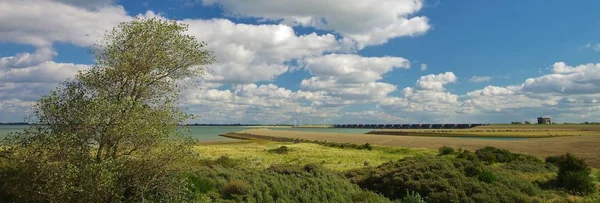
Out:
{"x": 376, "y": 61}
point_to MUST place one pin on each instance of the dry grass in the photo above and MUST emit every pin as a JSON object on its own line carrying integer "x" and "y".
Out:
{"x": 254, "y": 154}
{"x": 501, "y": 131}
{"x": 587, "y": 147}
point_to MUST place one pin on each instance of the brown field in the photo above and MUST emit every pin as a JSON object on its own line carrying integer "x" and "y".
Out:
{"x": 500, "y": 131}
{"x": 587, "y": 147}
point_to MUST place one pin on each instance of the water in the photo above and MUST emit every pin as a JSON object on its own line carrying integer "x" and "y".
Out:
{"x": 328, "y": 130}
{"x": 497, "y": 138}
{"x": 211, "y": 133}
{"x": 201, "y": 133}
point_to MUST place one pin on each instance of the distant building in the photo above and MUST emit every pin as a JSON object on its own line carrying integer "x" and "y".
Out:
{"x": 542, "y": 120}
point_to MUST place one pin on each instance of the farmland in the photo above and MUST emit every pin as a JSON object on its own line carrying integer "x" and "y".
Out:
{"x": 523, "y": 131}
{"x": 583, "y": 146}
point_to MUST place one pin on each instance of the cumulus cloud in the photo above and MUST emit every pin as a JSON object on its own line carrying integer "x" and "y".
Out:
{"x": 481, "y": 79}
{"x": 21, "y": 60}
{"x": 369, "y": 22}
{"x": 251, "y": 53}
{"x": 21, "y": 22}
{"x": 351, "y": 68}
{"x": 351, "y": 77}
{"x": 436, "y": 82}
{"x": 582, "y": 79}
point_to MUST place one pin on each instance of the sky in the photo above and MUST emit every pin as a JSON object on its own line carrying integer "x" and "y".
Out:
{"x": 334, "y": 61}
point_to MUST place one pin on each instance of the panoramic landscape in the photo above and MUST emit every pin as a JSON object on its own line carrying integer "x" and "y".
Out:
{"x": 404, "y": 101}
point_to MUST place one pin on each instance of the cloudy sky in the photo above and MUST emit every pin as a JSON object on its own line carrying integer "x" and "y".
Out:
{"x": 335, "y": 61}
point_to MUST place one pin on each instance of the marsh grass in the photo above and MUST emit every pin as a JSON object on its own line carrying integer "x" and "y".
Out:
{"x": 255, "y": 154}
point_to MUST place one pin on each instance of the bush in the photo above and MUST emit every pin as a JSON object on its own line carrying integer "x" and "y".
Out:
{"x": 225, "y": 161}
{"x": 412, "y": 197}
{"x": 495, "y": 155}
{"x": 552, "y": 160}
{"x": 280, "y": 150}
{"x": 468, "y": 155}
{"x": 574, "y": 175}
{"x": 486, "y": 176}
{"x": 445, "y": 150}
{"x": 235, "y": 187}
{"x": 438, "y": 179}
{"x": 309, "y": 183}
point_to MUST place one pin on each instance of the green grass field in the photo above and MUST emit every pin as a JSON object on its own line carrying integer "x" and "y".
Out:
{"x": 255, "y": 154}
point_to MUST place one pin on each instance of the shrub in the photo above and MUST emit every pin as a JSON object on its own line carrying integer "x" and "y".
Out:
{"x": 225, "y": 161}
{"x": 280, "y": 150}
{"x": 235, "y": 187}
{"x": 468, "y": 155}
{"x": 412, "y": 197}
{"x": 578, "y": 182}
{"x": 270, "y": 186}
{"x": 437, "y": 179}
{"x": 495, "y": 155}
{"x": 553, "y": 159}
{"x": 574, "y": 175}
{"x": 445, "y": 150}
{"x": 486, "y": 176}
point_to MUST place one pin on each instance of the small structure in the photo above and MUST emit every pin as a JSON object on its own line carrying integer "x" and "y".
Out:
{"x": 542, "y": 120}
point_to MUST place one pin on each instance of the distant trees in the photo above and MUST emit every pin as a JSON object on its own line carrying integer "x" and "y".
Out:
{"x": 110, "y": 134}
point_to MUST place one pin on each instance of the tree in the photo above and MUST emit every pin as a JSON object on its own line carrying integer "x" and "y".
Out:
{"x": 111, "y": 133}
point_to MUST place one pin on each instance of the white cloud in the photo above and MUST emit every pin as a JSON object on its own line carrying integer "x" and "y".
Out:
{"x": 481, "y": 79}
{"x": 43, "y": 22}
{"x": 582, "y": 79}
{"x": 369, "y": 22}
{"x": 436, "y": 82}
{"x": 423, "y": 67}
{"x": 350, "y": 68}
{"x": 251, "y": 53}
{"x": 21, "y": 60}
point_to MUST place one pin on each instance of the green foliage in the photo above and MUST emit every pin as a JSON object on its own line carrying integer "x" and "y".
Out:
{"x": 111, "y": 134}
{"x": 235, "y": 188}
{"x": 280, "y": 150}
{"x": 574, "y": 175}
{"x": 283, "y": 183}
{"x": 486, "y": 176}
{"x": 412, "y": 197}
{"x": 553, "y": 160}
{"x": 466, "y": 154}
{"x": 494, "y": 155}
{"x": 443, "y": 179}
{"x": 445, "y": 150}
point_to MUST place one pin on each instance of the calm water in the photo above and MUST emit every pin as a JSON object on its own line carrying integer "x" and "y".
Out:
{"x": 211, "y": 133}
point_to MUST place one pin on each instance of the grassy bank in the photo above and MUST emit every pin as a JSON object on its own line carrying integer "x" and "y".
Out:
{"x": 582, "y": 146}
{"x": 255, "y": 154}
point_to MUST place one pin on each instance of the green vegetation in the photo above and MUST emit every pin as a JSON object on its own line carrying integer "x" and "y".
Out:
{"x": 279, "y": 183}
{"x": 110, "y": 135}
{"x": 501, "y": 177}
{"x": 445, "y": 150}
{"x": 256, "y": 155}
{"x": 574, "y": 175}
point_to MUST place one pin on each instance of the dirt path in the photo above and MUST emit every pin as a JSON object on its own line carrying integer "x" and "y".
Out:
{"x": 587, "y": 147}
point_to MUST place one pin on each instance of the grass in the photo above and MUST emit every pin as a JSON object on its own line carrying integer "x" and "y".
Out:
{"x": 581, "y": 146}
{"x": 255, "y": 154}
{"x": 526, "y": 131}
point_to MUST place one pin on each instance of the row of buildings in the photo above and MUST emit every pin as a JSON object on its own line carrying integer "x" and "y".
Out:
{"x": 409, "y": 126}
